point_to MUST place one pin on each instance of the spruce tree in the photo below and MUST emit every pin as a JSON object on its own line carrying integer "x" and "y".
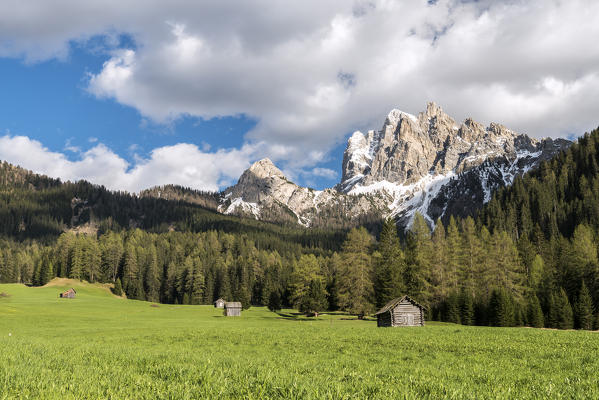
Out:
{"x": 418, "y": 260}
{"x": 454, "y": 254}
{"x": 584, "y": 309}
{"x": 466, "y": 308}
{"x": 356, "y": 291}
{"x": 274, "y": 301}
{"x": 501, "y": 308}
{"x": 565, "y": 317}
{"x": 306, "y": 272}
{"x": 118, "y": 287}
{"x": 452, "y": 309}
{"x": 536, "y": 272}
{"x": 47, "y": 272}
{"x": 389, "y": 265}
{"x": 439, "y": 276}
{"x": 535, "y": 313}
{"x": 471, "y": 256}
{"x": 316, "y": 300}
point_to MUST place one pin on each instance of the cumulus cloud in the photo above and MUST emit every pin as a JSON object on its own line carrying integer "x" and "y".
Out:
{"x": 310, "y": 71}
{"x": 183, "y": 164}
{"x": 324, "y": 172}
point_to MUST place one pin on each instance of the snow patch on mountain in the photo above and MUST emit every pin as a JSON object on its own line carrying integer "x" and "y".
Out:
{"x": 239, "y": 204}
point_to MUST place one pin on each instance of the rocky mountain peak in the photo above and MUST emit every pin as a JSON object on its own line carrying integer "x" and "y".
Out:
{"x": 265, "y": 168}
{"x": 427, "y": 163}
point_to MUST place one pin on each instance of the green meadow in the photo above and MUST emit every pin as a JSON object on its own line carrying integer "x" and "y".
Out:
{"x": 98, "y": 346}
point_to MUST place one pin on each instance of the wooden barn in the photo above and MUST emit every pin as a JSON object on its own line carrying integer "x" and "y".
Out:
{"x": 69, "y": 294}
{"x": 402, "y": 311}
{"x": 220, "y": 303}
{"x": 233, "y": 309}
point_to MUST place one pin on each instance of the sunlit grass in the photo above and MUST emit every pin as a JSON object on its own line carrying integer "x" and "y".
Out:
{"x": 101, "y": 346}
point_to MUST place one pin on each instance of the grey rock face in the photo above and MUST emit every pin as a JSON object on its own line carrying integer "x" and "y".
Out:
{"x": 408, "y": 148}
{"x": 426, "y": 163}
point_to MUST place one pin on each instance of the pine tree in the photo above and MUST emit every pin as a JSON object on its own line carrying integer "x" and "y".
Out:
{"x": 454, "y": 254}
{"x": 536, "y": 272}
{"x": 118, "y": 287}
{"x": 93, "y": 259}
{"x": 389, "y": 265}
{"x": 274, "y": 301}
{"x": 565, "y": 317}
{"x": 439, "y": 278}
{"x": 111, "y": 247}
{"x": 584, "y": 309}
{"x": 466, "y": 308}
{"x": 508, "y": 270}
{"x": 418, "y": 260}
{"x": 553, "y": 310}
{"x": 316, "y": 300}
{"x": 224, "y": 290}
{"x": 197, "y": 285}
{"x": 244, "y": 295}
{"x": 47, "y": 272}
{"x": 130, "y": 271}
{"x": 332, "y": 288}
{"x": 501, "y": 308}
{"x": 470, "y": 257}
{"x": 306, "y": 272}
{"x": 77, "y": 261}
{"x": 356, "y": 291}
{"x": 452, "y": 309}
{"x": 535, "y": 313}
{"x": 152, "y": 275}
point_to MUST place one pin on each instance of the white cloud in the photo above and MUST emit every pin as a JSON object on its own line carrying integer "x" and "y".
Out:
{"x": 183, "y": 164}
{"x": 324, "y": 173}
{"x": 310, "y": 71}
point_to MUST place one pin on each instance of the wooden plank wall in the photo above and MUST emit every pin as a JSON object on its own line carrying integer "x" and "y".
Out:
{"x": 406, "y": 308}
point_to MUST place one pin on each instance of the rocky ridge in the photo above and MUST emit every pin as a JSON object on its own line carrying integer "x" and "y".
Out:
{"x": 426, "y": 163}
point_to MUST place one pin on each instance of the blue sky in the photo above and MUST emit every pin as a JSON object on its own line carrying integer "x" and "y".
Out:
{"x": 131, "y": 94}
{"x": 49, "y": 102}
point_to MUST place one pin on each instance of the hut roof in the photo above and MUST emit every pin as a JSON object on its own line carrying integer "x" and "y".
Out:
{"x": 232, "y": 304}
{"x": 220, "y": 299}
{"x": 390, "y": 305}
{"x": 70, "y": 290}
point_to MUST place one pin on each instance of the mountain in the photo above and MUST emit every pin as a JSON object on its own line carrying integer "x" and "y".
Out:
{"x": 427, "y": 163}
{"x": 265, "y": 193}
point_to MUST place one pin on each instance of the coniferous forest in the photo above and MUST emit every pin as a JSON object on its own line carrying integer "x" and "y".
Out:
{"x": 528, "y": 258}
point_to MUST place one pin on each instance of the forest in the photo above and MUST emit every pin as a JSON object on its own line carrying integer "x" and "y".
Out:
{"x": 529, "y": 257}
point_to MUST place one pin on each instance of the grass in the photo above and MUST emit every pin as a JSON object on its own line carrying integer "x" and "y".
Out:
{"x": 101, "y": 346}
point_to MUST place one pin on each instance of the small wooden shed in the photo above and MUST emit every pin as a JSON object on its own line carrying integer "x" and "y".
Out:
{"x": 220, "y": 303}
{"x": 69, "y": 294}
{"x": 233, "y": 309}
{"x": 402, "y": 311}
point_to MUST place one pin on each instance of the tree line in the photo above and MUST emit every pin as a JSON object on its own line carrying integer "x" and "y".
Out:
{"x": 528, "y": 258}
{"x": 461, "y": 273}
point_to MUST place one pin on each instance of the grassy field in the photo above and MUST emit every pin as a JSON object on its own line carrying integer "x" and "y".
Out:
{"x": 101, "y": 346}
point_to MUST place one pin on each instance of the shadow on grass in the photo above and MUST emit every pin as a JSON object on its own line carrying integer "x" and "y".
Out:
{"x": 297, "y": 316}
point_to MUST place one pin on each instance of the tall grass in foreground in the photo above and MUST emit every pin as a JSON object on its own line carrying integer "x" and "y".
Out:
{"x": 100, "y": 346}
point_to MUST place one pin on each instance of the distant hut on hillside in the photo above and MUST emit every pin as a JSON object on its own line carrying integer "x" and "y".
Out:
{"x": 220, "y": 303}
{"x": 402, "y": 311}
{"x": 69, "y": 294}
{"x": 233, "y": 309}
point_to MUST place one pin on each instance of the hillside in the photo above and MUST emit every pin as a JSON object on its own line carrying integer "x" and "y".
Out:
{"x": 33, "y": 206}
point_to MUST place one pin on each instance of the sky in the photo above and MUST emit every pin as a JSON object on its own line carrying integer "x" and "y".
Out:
{"x": 131, "y": 94}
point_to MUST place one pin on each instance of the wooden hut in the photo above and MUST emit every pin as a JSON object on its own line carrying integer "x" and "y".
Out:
{"x": 402, "y": 311}
{"x": 233, "y": 309}
{"x": 69, "y": 294}
{"x": 220, "y": 303}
